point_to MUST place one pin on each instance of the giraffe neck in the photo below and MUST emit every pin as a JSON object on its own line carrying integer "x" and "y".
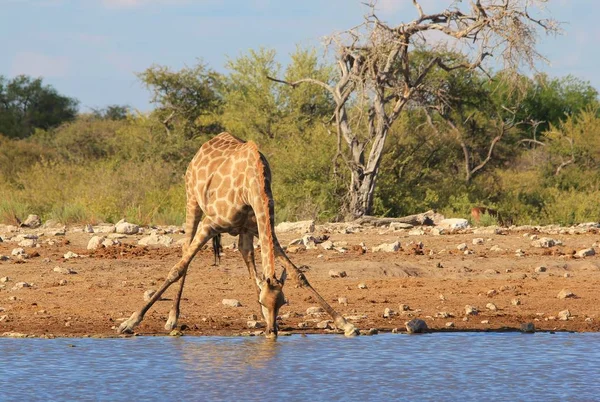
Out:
{"x": 262, "y": 204}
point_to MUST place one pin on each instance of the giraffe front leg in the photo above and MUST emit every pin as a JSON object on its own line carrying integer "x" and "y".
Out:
{"x": 171, "y": 323}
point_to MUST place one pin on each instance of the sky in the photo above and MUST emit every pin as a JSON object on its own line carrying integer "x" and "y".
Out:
{"x": 92, "y": 49}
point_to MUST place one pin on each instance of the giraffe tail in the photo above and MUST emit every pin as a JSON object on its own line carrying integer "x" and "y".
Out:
{"x": 216, "y": 243}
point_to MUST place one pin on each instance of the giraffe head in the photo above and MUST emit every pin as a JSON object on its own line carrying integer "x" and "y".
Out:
{"x": 271, "y": 299}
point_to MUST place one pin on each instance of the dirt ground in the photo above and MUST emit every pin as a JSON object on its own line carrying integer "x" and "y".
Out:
{"x": 433, "y": 282}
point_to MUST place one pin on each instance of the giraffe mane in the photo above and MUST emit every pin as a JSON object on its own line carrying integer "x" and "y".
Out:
{"x": 260, "y": 168}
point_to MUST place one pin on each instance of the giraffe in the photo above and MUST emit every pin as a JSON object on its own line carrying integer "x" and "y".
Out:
{"x": 228, "y": 188}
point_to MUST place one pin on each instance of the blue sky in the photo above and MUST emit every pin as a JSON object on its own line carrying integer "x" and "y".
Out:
{"x": 91, "y": 49}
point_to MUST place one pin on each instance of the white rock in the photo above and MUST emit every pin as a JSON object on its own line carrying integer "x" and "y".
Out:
{"x": 496, "y": 248}
{"x": 148, "y": 294}
{"x": 462, "y": 246}
{"x": 565, "y": 294}
{"x": 64, "y": 271}
{"x": 126, "y": 228}
{"x": 343, "y": 300}
{"x": 544, "y": 242}
{"x": 471, "y": 310}
{"x": 387, "y": 247}
{"x": 564, "y": 315}
{"x": 327, "y": 245}
{"x": 491, "y": 306}
{"x": 231, "y": 303}
{"x": 254, "y": 324}
{"x": 477, "y": 241}
{"x": 104, "y": 229}
{"x": 437, "y": 231}
{"x": 416, "y": 232}
{"x": 588, "y": 252}
{"x": 70, "y": 254}
{"x": 27, "y": 243}
{"x": 540, "y": 269}
{"x": 95, "y": 242}
{"x": 298, "y": 227}
{"x": 314, "y": 310}
{"x": 88, "y": 228}
{"x": 337, "y": 274}
{"x": 110, "y": 242}
{"x": 21, "y": 285}
{"x": 362, "y": 285}
{"x": 32, "y": 221}
{"x": 454, "y": 224}
{"x": 17, "y": 251}
{"x": 400, "y": 226}
{"x": 155, "y": 240}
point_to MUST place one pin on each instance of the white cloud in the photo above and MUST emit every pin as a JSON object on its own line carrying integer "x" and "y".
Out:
{"x": 40, "y": 65}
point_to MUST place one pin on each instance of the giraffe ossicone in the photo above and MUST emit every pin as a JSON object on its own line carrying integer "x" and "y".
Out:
{"x": 228, "y": 189}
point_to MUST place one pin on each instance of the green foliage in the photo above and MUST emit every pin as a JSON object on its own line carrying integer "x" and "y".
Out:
{"x": 26, "y": 105}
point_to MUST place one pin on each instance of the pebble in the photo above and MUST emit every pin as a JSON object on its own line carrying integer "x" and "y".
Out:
{"x": 462, "y": 246}
{"x": 70, "y": 254}
{"x": 337, "y": 274}
{"x": 231, "y": 303}
{"x": 478, "y": 240}
{"x": 4, "y": 279}
{"x": 492, "y": 292}
{"x": 21, "y": 285}
{"x": 4, "y": 258}
{"x": 515, "y": 302}
{"x": 450, "y": 324}
{"x": 485, "y": 321}
{"x": 150, "y": 292}
{"x": 362, "y": 285}
{"x": 565, "y": 294}
{"x": 64, "y": 271}
{"x": 416, "y": 326}
{"x": 540, "y": 269}
{"x": 588, "y": 252}
{"x": 471, "y": 310}
{"x": 564, "y": 315}
{"x": 343, "y": 300}
{"x": 388, "y": 312}
{"x": 95, "y": 242}
{"x": 324, "y": 324}
{"x": 315, "y": 310}
{"x": 491, "y": 306}
{"x": 254, "y": 324}
{"x": 387, "y": 247}
{"x": 404, "y": 307}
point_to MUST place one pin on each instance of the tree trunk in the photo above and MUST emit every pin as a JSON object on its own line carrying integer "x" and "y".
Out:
{"x": 361, "y": 193}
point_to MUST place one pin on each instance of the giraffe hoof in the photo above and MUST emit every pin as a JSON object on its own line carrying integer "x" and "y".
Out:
{"x": 128, "y": 325}
{"x": 350, "y": 330}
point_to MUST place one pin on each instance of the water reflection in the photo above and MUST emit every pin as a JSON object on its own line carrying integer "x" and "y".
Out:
{"x": 385, "y": 367}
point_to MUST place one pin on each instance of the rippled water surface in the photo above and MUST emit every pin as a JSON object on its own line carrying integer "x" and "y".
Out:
{"x": 442, "y": 366}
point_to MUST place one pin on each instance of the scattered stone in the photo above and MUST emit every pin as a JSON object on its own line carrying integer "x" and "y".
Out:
{"x": 18, "y": 251}
{"x": 515, "y": 302}
{"x": 454, "y": 224}
{"x": 400, "y": 226}
{"x": 27, "y": 243}
{"x": 302, "y": 325}
{"x": 4, "y": 258}
{"x": 175, "y": 332}
{"x": 387, "y": 247}
{"x": 14, "y": 335}
{"x": 126, "y": 228}
{"x": 491, "y": 271}
{"x": 443, "y": 314}
{"x": 32, "y": 221}
{"x": 416, "y": 326}
{"x": 450, "y": 324}
{"x": 315, "y": 310}
{"x": 110, "y": 242}
{"x": 327, "y": 245}
{"x": 485, "y": 321}
{"x": 471, "y": 310}
{"x": 495, "y": 248}
{"x": 564, "y": 315}
{"x": 343, "y": 300}
{"x": 21, "y": 285}
{"x": 416, "y": 232}
{"x": 468, "y": 252}
{"x": 62, "y": 282}
{"x": 156, "y": 240}
{"x": 388, "y": 313}
{"x": 567, "y": 275}
{"x": 70, "y": 254}
{"x": 299, "y": 227}
{"x": 492, "y": 293}
{"x": 324, "y": 324}
{"x": 95, "y": 242}
{"x": 362, "y": 285}
{"x": 462, "y": 246}
{"x": 588, "y": 252}
{"x": 519, "y": 253}
{"x": 231, "y": 303}
{"x": 337, "y": 274}
{"x": 88, "y": 228}
{"x": 565, "y": 294}
{"x": 150, "y": 292}
{"x": 491, "y": 306}
{"x": 439, "y": 265}
{"x": 477, "y": 241}
{"x": 544, "y": 242}
{"x": 540, "y": 269}
{"x": 255, "y": 324}
{"x": 4, "y": 279}
{"x": 437, "y": 231}
{"x": 528, "y": 328}
{"x": 404, "y": 307}
{"x": 64, "y": 271}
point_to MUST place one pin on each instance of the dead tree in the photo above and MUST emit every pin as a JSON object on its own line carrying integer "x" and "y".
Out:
{"x": 380, "y": 71}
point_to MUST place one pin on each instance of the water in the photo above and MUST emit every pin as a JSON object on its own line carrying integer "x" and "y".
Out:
{"x": 442, "y": 366}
